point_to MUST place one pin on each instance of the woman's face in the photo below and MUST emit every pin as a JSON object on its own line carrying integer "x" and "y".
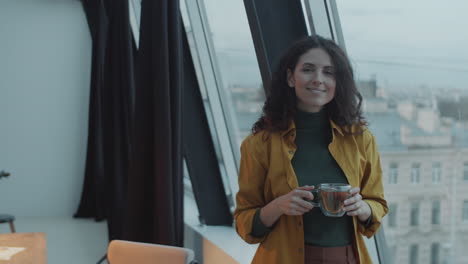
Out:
{"x": 313, "y": 80}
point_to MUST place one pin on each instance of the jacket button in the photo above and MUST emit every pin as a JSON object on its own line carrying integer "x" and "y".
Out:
{"x": 300, "y": 223}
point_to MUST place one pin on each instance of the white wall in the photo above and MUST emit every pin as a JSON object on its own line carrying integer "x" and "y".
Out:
{"x": 45, "y": 58}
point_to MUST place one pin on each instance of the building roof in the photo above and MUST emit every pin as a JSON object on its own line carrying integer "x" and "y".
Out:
{"x": 386, "y": 129}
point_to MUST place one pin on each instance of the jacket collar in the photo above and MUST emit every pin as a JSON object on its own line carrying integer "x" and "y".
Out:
{"x": 292, "y": 127}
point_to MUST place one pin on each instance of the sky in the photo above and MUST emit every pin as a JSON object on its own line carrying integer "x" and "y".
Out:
{"x": 411, "y": 42}
{"x": 404, "y": 43}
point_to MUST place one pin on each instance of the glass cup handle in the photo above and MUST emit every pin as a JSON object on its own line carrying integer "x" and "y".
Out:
{"x": 315, "y": 202}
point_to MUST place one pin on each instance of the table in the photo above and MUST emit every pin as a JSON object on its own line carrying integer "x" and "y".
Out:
{"x": 34, "y": 244}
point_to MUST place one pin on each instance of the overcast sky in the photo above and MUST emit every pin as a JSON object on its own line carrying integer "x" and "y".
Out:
{"x": 405, "y": 43}
{"x": 408, "y": 41}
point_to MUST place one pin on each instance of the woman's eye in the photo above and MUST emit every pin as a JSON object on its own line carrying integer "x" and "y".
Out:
{"x": 329, "y": 73}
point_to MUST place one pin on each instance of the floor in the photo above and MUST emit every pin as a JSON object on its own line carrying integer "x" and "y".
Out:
{"x": 69, "y": 240}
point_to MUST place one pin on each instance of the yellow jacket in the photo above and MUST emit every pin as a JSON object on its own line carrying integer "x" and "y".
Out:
{"x": 266, "y": 173}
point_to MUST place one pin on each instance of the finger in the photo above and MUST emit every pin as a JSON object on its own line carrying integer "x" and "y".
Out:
{"x": 354, "y": 199}
{"x": 306, "y": 187}
{"x": 301, "y": 203}
{"x": 354, "y": 190}
{"x": 296, "y": 211}
{"x": 354, "y": 212}
{"x": 353, "y": 207}
{"x": 304, "y": 194}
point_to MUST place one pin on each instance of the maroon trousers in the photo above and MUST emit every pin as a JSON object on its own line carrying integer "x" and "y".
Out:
{"x": 329, "y": 255}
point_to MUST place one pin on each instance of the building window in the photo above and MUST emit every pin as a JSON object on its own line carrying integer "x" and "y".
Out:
{"x": 413, "y": 258}
{"x": 436, "y": 172}
{"x": 465, "y": 210}
{"x": 415, "y": 173}
{"x": 393, "y": 174}
{"x": 414, "y": 217}
{"x": 392, "y": 215}
{"x": 435, "y": 253}
{"x": 465, "y": 171}
{"x": 436, "y": 212}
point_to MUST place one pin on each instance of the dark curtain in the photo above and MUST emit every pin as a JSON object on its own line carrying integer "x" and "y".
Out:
{"x": 134, "y": 160}
{"x": 155, "y": 198}
{"x": 110, "y": 128}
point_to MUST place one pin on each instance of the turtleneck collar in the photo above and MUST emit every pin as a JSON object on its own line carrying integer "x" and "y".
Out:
{"x": 307, "y": 120}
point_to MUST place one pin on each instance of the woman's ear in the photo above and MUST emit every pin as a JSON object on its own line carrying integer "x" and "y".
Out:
{"x": 290, "y": 78}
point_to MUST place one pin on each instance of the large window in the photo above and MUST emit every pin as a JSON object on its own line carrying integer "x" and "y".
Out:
{"x": 237, "y": 64}
{"x": 412, "y": 71}
{"x": 228, "y": 76}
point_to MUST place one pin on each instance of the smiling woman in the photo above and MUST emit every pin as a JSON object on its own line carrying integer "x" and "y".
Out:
{"x": 313, "y": 80}
{"x": 311, "y": 132}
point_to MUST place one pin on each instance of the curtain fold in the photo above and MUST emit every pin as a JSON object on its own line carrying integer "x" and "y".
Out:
{"x": 93, "y": 198}
{"x": 110, "y": 114}
{"x": 133, "y": 174}
{"x": 155, "y": 200}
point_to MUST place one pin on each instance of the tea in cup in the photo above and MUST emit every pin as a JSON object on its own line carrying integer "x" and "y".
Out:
{"x": 330, "y": 198}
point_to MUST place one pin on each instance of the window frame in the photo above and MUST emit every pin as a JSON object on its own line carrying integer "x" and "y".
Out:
{"x": 436, "y": 172}
{"x": 465, "y": 211}
{"x": 415, "y": 173}
{"x": 210, "y": 81}
{"x": 414, "y": 254}
{"x": 435, "y": 257}
{"x": 415, "y": 208}
{"x": 392, "y": 216}
{"x": 393, "y": 173}
{"x": 435, "y": 212}
{"x": 465, "y": 171}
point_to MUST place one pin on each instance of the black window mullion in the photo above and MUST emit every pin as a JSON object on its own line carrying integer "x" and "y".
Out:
{"x": 274, "y": 25}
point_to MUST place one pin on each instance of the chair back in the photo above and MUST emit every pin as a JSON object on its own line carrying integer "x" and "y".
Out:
{"x": 128, "y": 252}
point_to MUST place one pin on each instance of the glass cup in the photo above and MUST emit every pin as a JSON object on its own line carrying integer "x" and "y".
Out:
{"x": 330, "y": 198}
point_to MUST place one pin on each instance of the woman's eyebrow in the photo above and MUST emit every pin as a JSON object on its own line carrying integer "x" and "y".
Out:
{"x": 312, "y": 64}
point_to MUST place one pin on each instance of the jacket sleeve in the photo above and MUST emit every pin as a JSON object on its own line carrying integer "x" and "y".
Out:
{"x": 250, "y": 197}
{"x": 372, "y": 187}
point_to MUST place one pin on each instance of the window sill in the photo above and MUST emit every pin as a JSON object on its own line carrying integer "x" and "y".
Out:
{"x": 224, "y": 237}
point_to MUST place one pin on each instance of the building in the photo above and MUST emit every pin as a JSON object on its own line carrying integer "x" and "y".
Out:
{"x": 425, "y": 172}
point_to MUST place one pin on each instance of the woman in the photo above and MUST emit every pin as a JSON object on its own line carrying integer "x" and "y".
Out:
{"x": 312, "y": 131}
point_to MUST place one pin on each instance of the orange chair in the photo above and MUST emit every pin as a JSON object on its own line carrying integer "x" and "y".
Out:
{"x": 128, "y": 252}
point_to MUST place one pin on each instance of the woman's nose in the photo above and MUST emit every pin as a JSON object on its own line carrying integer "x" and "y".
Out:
{"x": 317, "y": 79}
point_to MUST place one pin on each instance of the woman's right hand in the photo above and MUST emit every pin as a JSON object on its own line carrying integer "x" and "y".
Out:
{"x": 294, "y": 203}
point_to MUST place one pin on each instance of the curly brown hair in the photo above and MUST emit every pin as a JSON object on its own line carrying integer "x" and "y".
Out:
{"x": 280, "y": 105}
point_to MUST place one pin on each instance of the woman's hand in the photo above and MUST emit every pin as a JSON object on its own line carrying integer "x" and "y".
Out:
{"x": 294, "y": 203}
{"x": 355, "y": 206}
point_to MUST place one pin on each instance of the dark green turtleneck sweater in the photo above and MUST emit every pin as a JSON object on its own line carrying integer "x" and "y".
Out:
{"x": 313, "y": 164}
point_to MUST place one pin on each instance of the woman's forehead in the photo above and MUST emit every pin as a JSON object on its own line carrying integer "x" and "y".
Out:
{"x": 316, "y": 56}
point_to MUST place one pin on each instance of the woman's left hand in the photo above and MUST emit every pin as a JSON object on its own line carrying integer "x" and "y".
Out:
{"x": 355, "y": 206}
